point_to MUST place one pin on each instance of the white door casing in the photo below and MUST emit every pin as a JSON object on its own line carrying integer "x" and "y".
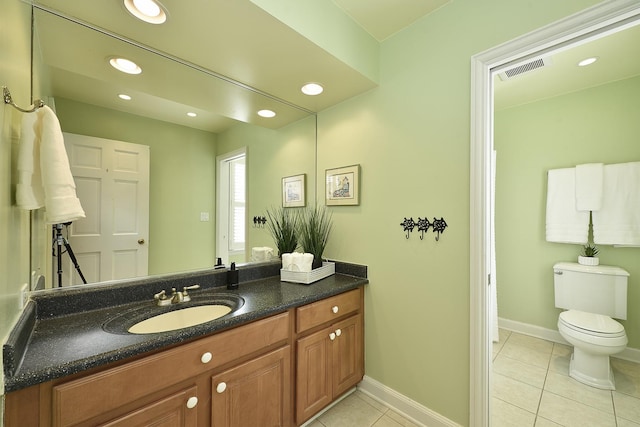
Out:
{"x": 112, "y": 180}
{"x": 604, "y": 18}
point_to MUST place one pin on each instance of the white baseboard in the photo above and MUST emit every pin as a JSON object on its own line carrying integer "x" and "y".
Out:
{"x": 404, "y": 406}
{"x": 630, "y": 354}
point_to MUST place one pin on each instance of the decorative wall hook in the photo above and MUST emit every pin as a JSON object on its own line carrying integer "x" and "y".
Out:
{"x": 259, "y": 221}
{"x": 423, "y": 225}
{"x": 438, "y": 227}
{"x": 408, "y": 225}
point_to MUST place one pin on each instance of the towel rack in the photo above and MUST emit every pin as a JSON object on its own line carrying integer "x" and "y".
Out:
{"x": 38, "y": 103}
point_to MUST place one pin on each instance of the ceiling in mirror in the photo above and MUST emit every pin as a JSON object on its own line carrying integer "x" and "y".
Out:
{"x": 617, "y": 59}
{"x": 236, "y": 41}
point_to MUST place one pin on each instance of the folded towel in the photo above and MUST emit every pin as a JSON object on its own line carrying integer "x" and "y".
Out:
{"x": 286, "y": 261}
{"x": 589, "y": 184}
{"x": 61, "y": 202}
{"x": 564, "y": 223}
{"x": 263, "y": 253}
{"x": 618, "y": 221}
{"x": 29, "y": 191}
{"x": 305, "y": 262}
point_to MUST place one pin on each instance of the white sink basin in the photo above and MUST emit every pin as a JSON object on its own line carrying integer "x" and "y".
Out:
{"x": 178, "y": 319}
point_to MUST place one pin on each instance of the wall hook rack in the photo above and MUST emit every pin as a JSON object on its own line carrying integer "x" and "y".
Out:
{"x": 423, "y": 225}
{"x": 259, "y": 221}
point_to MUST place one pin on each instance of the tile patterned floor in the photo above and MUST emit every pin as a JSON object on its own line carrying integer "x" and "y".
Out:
{"x": 532, "y": 387}
{"x": 359, "y": 410}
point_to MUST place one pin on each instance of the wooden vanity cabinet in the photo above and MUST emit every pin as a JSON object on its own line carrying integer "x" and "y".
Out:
{"x": 330, "y": 352}
{"x": 276, "y": 371}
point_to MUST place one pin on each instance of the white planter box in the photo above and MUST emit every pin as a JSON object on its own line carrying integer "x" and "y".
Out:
{"x": 307, "y": 277}
{"x": 584, "y": 260}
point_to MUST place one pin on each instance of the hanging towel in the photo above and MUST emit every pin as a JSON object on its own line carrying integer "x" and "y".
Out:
{"x": 589, "y": 184}
{"x": 618, "y": 221}
{"x": 564, "y": 223}
{"x": 61, "y": 203}
{"x": 29, "y": 191}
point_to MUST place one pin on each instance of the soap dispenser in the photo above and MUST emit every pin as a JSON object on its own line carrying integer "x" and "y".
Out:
{"x": 232, "y": 277}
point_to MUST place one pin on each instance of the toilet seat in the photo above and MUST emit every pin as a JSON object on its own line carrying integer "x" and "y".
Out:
{"x": 592, "y": 324}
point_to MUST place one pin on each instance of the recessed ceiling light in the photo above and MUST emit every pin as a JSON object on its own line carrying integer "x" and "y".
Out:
{"x": 266, "y": 113}
{"x": 124, "y": 96}
{"x": 191, "y": 114}
{"x": 312, "y": 89}
{"x": 587, "y": 61}
{"x": 125, "y": 65}
{"x": 149, "y": 11}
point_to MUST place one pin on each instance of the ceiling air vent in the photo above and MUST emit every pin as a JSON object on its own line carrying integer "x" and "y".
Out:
{"x": 525, "y": 68}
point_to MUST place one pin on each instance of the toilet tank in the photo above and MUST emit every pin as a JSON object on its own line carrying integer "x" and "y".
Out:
{"x": 600, "y": 289}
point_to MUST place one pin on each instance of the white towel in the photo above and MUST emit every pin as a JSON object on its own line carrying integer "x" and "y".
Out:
{"x": 305, "y": 262}
{"x": 589, "y": 184}
{"x": 564, "y": 223}
{"x": 286, "y": 261}
{"x": 29, "y": 191}
{"x": 61, "y": 202}
{"x": 618, "y": 221}
{"x": 261, "y": 253}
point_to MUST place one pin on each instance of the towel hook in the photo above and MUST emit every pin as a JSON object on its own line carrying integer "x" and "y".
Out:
{"x": 38, "y": 103}
{"x": 438, "y": 226}
{"x": 408, "y": 225}
{"x": 423, "y": 225}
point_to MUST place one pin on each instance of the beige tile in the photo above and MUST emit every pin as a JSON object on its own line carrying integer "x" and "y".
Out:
{"x": 543, "y": 422}
{"x": 532, "y": 351}
{"x": 524, "y": 372}
{"x": 627, "y": 376}
{"x": 376, "y": 404}
{"x": 626, "y": 423}
{"x": 567, "y": 412}
{"x": 315, "y": 423}
{"x": 568, "y": 387}
{"x": 386, "y": 421}
{"x": 627, "y": 407}
{"x": 400, "y": 419}
{"x": 516, "y": 392}
{"x": 351, "y": 412}
{"x": 560, "y": 363}
{"x": 504, "y": 414}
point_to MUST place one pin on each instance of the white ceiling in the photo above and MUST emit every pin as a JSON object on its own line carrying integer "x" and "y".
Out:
{"x": 239, "y": 41}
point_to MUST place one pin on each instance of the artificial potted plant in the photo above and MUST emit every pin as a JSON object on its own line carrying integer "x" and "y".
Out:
{"x": 282, "y": 225}
{"x": 314, "y": 227}
{"x": 588, "y": 256}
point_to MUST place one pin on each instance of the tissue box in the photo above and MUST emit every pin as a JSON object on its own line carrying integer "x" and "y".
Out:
{"x": 307, "y": 277}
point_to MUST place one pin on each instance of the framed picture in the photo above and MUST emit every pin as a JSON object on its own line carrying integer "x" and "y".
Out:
{"x": 343, "y": 186}
{"x": 293, "y": 191}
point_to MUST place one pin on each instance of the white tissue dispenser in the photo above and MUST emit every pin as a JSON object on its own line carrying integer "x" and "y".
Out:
{"x": 291, "y": 273}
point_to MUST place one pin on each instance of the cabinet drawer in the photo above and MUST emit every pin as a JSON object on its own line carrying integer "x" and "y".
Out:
{"x": 326, "y": 310}
{"x": 112, "y": 388}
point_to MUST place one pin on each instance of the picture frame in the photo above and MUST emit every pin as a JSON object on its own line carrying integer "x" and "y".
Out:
{"x": 342, "y": 186}
{"x": 293, "y": 191}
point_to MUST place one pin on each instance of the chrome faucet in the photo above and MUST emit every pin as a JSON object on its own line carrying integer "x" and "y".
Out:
{"x": 176, "y": 297}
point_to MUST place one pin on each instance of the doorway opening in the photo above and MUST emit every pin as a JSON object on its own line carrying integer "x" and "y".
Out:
{"x": 591, "y": 23}
{"x": 231, "y": 203}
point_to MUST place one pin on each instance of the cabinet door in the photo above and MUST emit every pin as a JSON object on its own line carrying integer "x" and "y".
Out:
{"x": 313, "y": 374}
{"x": 256, "y": 393}
{"x": 347, "y": 354}
{"x": 177, "y": 410}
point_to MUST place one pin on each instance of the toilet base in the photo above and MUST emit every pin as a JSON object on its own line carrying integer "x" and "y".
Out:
{"x": 592, "y": 369}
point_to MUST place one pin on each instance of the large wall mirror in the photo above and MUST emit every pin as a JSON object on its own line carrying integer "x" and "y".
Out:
{"x": 71, "y": 71}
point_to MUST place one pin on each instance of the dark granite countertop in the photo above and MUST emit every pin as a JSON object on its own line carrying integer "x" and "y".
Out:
{"x": 62, "y": 332}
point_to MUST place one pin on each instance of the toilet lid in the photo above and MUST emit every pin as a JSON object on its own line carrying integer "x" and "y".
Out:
{"x": 591, "y": 322}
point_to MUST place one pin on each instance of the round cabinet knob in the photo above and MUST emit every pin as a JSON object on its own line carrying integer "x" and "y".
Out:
{"x": 192, "y": 402}
{"x": 334, "y": 309}
{"x": 221, "y": 387}
{"x": 338, "y": 332}
{"x": 206, "y": 357}
{"x": 141, "y": 241}
{"x": 332, "y": 336}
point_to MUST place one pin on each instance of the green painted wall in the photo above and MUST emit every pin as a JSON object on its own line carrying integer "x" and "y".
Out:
{"x": 182, "y": 181}
{"x": 15, "y": 66}
{"x": 271, "y": 156}
{"x": 595, "y": 125}
{"x": 411, "y": 138}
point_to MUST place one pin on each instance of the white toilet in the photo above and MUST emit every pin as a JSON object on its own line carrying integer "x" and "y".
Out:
{"x": 592, "y": 295}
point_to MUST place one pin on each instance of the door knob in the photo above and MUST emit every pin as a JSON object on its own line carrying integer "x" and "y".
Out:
{"x": 332, "y": 336}
{"x": 221, "y": 387}
{"x": 192, "y": 402}
{"x": 334, "y": 309}
{"x": 206, "y": 357}
{"x": 141, "y": 241}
